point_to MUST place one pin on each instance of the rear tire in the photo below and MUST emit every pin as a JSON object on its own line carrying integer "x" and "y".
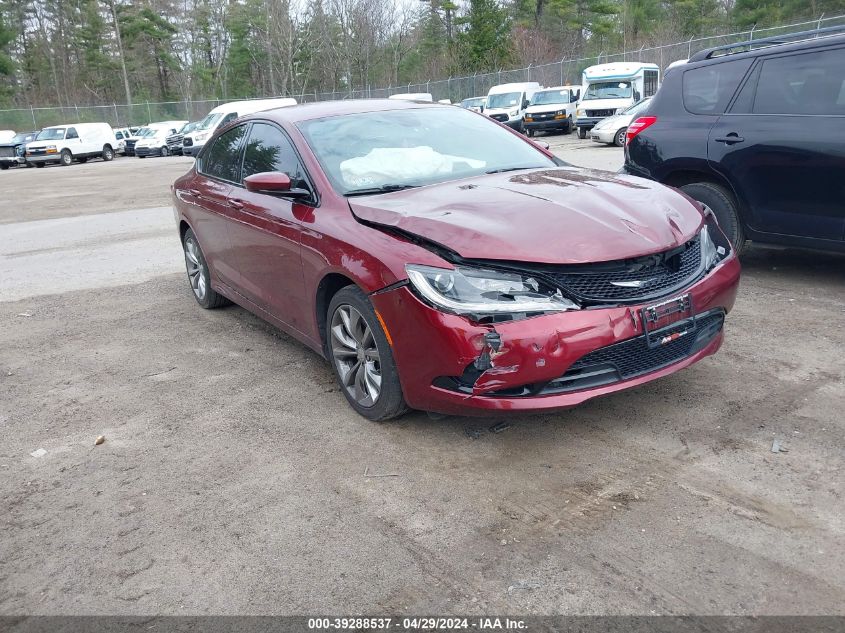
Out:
{"x": 619, "y": 139}
{"x": 39, "y": 165}
{"x": 361, "y": 357}
{"x": 4, "y": 166}
{"x": 721, "y": 202}
{"x": 199, "y": 276}
{"x": 582, "y": 132}
{"x": 66, "y": 158}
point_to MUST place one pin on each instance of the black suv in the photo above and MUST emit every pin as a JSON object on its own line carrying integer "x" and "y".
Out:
{"x": 756, "y": 132}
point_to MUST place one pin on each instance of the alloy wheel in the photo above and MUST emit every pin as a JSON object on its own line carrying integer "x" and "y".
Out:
{"x": 356, "y": 355}
{"x": 196, "y": 268}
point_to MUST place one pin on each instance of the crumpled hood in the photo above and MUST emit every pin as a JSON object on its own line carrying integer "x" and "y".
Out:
{"x": 562, "y": 215}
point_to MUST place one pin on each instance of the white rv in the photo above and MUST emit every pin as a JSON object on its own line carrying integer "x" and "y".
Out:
{"x": 194, "y": 141}
{"x": 609, "y": 88}
{"x": 507, "y": 103}
{"x": 77, "y": 141}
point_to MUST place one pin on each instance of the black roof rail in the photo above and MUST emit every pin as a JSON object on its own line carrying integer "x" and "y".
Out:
{"x": 748, "y": 45}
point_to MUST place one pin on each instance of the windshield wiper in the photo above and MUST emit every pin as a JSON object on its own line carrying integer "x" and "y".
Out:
{"x": 501, "y": 170}
{"x": 382, "y": 189}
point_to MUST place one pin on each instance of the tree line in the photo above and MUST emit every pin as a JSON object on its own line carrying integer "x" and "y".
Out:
{"x": 66, "y": 52}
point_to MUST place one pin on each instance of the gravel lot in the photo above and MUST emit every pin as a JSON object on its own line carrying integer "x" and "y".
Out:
{"x": 235, "y": 479}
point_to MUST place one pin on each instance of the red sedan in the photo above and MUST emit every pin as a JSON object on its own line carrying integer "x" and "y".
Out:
{"x": 445, "y": 263}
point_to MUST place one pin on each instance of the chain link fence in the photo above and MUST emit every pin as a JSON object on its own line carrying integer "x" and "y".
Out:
{"x": 565, "y": 71}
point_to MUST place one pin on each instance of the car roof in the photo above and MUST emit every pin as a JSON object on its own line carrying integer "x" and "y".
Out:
{"x": 321, "y": 109}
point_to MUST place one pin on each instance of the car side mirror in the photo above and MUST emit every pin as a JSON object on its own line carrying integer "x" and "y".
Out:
{"x": 525, "y": 103}
{"x": 274, "y": 183}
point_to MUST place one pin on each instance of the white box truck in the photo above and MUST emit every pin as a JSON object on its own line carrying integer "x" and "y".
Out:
{"x": 64, "y": 144}
{"x": 609, "y": 88}
{"x": 506, "y": 103}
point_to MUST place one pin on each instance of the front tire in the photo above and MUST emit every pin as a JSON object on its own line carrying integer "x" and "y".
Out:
{"x": 198, "y": 274}
{"x": 362, "y": 358}
{"x": 108, "y": 153}
{"x": 66, "y": 159}
{"x": 582, "y": 132}
{"x": 164, "y": 151}
{"x": 39, "y": 165}
{"x": 720, "y": 201}
{"x": 619, "y": 139}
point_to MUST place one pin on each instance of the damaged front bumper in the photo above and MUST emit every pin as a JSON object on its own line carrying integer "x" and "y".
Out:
{"x": 448, "y": 364}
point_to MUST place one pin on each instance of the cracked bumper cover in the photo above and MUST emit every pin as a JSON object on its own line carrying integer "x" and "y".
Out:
{"x": 428, "y": 344}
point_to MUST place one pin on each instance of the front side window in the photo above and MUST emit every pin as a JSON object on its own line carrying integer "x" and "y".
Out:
{"x": 811, "y": 83}
{"x": 608, "y": 90}
{"x": 414, "y": 147}
{"x": 71, "y": 133}
{"x": 222, "y": 160}
{"x": 268, "y": 149}
{"x": 708, "y": 89}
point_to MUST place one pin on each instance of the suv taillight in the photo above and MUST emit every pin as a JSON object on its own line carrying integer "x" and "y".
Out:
{"x": 638, "y": 126}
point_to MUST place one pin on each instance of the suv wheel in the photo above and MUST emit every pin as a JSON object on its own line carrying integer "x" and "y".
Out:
{"x": 582, "y": 132}
{"x": 619, "y": 139}
{"x": 164, "y": 151}
{"x": 66, "y": 158}
{"x": 108, "y": 153}
{"x": 357, "y": 348}
{"x": 721, "y": 203}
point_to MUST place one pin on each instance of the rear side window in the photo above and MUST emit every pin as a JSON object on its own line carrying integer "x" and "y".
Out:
{"x": 810, "y": 83}
{"x": 222, "y": 160}
{"x": 708, "y": 89}
{"x": 268, "y": 149}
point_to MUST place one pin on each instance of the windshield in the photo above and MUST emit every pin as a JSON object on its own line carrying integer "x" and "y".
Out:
{"x": 638, "y": 107}
{"x": 189, "y": 127}
{"x": 551, "y": 96}
{"x": 209, "y": 121}
{"x": 51, "y": 134}
{"x": 23, "y": 138}
{"x": 408, "y": 148}
{"x": 473, "y": 103}
{"x": 608, "y": 90}
{"x": 504, "y": 100}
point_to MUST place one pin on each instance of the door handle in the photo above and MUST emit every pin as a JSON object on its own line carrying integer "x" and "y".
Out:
{"x": 730, "y": 139}
{"x": 236, "y": 204}
{"x": 195, "y": 192}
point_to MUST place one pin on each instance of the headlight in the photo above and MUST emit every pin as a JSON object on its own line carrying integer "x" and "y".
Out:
{"x": 712, "y": 252}
{"x": 560, "y": 112}
{"x": 514, "y": 112}
{"x": 480, "y": 292}
{"x": 19, "y": 151}
{"x": 579, "y": 112}
{"x": 201, "y": 136}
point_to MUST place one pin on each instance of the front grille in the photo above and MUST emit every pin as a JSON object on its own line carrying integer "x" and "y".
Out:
{"x": 499, "y": 117}
{"x": 539, "y": 116}
{"x": 642, "y": 278}
{"x": 607, "y": 365}
{"x": 600, "y": 113}
{"x": 174, "y": 141}
{"x": 632, "y": 358}
{"x": 7, "y": 152}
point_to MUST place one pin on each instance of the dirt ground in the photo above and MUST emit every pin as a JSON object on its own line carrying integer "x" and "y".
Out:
{"x": 235, "y": 479}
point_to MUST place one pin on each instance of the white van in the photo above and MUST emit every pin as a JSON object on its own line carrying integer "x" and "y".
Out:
{"x": 194, "y": 141}
{"x": 154, "y": 141}
{"x": 507, "y": 102}
{"x": 610, "y": 88}
{"x": 65, "y": 143}
{"x": 552, "y": 109}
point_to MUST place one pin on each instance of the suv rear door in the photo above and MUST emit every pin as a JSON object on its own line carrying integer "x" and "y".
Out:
{"x": 780, "y": 144}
